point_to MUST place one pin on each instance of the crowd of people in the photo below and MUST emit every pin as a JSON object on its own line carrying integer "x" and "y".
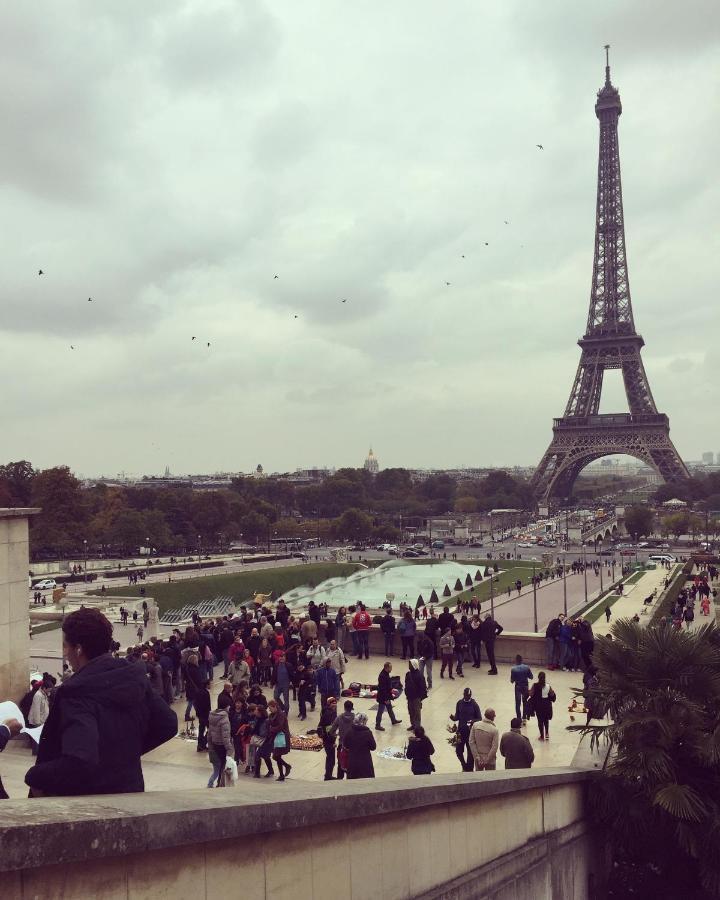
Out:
{"x": 259, "y": 662}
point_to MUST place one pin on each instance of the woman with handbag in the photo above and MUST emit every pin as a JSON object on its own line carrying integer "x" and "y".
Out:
{"x": 542, "y": 697}
{"x": 279, "y": 734}
{"x": 263, "y": 743}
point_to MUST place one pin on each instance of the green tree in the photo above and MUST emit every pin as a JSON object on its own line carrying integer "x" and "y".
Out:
{"x": 16, "y": 481}
{"x": 639, "y": 521}
{"x": 254, "y": 528}
{"x": 676, "y": 523}
{"x": 61, "y": 527}
{"x": 128, "y": 531}
{"x": 659, "y": 794}
{"x": 353, "y": 524}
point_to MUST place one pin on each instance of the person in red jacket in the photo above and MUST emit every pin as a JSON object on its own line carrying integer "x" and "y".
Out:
{"x": 361, "y": 623}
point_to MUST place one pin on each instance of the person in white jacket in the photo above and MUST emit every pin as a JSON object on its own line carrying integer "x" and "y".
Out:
{"x": 483, "y": 742}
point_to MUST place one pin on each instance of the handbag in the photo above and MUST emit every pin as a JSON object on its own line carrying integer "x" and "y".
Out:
{"x": 343, "y": 758}
{"x": 280, "y": 742}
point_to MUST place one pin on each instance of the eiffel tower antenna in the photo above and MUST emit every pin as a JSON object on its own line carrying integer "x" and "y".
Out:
{"x": 610, "y": 342}
{"x": 607, "y": 64}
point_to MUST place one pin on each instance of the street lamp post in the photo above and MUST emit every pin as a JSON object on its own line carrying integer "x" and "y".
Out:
{"x": 85, "y": 562}
{"x": 564, "y": 585}
{"x": 492, "y": 599}
{"x": 585, "y": 571}
{"x": 535, "y": 619}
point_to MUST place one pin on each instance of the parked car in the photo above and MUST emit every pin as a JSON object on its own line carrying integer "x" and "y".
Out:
{"x": 476, "y": 544}
{"x": 47, "y": 584}
{"x": 438, "y": 545}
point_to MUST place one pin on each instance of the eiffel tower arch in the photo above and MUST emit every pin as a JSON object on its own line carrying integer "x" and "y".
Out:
{"x": 610, "y": 341}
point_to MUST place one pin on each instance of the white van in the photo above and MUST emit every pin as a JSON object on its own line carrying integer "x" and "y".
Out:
{"x": 662, "y": 557}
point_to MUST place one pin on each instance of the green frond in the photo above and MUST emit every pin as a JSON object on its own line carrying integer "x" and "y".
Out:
{"x": 681, "y": 802}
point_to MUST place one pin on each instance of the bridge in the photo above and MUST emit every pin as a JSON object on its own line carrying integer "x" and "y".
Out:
{"x": 601, "y": 529}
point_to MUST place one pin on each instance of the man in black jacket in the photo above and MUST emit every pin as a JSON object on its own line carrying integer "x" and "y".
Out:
{"x": 387, "y": 626}
{"x": 384, "y": 697}
{"x": 103, "y": 719}
{"x": 490, "y": 630}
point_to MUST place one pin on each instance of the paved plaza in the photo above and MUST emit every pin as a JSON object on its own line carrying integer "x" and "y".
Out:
{"x": 178, "y": 765}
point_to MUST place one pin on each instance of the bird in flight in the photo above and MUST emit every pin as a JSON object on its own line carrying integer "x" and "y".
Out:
{"x": 462, "y": 256}
{"x": 343, "y": 300}
{"x": 506, "y": 221}
{"x": 208, "y": 343}
{"x": 539, "y": 146}
{"x": 192, "y": 338}
{"x": 40, "y": 272}
{"x": 89, "y": 299}
{"x": 296, "y": 317}
{"x": 71, "y": 347}
{"x": 276, "y": 276}
{"x": 447, "y": 284}
{"x": 486, "y": 244}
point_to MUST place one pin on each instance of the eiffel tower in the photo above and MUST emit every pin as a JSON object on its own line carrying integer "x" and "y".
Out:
{"x": 610, "y": 342}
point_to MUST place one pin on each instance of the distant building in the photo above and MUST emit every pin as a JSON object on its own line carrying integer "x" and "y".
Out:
{"x": 371, "y": 464}
{"x": 259, "y": 472}
{"x": 708, "y": 458}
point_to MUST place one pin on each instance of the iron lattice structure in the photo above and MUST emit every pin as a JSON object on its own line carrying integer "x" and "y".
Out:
{"x": 610, "y": 342}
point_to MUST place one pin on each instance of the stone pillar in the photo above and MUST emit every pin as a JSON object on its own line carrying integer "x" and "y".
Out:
{"x": 14, "y": 610}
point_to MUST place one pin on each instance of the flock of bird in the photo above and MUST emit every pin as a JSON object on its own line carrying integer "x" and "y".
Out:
{"x": 342, "y": 299}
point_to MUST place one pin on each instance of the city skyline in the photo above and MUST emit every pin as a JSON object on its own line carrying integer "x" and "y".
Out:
{"x": 173, "y": 171}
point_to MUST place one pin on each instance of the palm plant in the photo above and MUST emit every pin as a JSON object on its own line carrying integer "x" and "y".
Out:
{"x": 659, "y": 792}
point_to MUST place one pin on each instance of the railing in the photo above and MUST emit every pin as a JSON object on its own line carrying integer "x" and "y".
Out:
{"x": 611, "y": 419}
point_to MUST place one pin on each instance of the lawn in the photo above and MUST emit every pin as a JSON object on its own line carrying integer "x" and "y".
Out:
{"x": 519, "y": 569}
{"x": 239, "y": 585}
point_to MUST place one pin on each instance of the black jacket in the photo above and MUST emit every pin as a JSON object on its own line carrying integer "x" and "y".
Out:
{"x": 387, "y": 624}
{"x": 425, "y": 647}
{"x": 490, "y": 630}
{"x": 419, "y": 750}
{"x": 360, "y": 743}
{"x": 384, "y": 688}
{"x": 415, "y": 688}
{"x": 466, "y": 712}
{"x": 103, "y": 720}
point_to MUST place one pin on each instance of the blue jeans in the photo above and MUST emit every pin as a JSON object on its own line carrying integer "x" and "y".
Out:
{"x": 521, "y": 695}
{"x": 283, "y": 695}
{"x": 363, "y": 645}
{"x": 354, "y": 638}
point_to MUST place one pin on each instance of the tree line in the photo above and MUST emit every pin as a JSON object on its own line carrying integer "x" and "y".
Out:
{"x": 350, "y": 504}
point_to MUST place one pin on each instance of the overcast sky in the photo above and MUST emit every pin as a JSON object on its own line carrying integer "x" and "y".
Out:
{"x": 168, "y": 159}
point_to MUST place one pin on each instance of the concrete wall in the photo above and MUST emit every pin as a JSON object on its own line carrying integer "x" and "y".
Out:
{"x": 486, "y": 835}
{"x": 529, "y": 645}
{"x": 14, "y": 617}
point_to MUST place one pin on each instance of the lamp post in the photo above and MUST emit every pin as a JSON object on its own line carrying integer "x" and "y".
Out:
{"x": 535, "y": 621}
{"x": 85, "y": 563}
{"x": 492, "y": 599}
{"x": 585, "y": 571}
{"x": 564, "y": 568}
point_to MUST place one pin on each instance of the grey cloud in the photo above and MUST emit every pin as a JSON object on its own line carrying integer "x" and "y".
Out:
{"x": 169, "y": 159}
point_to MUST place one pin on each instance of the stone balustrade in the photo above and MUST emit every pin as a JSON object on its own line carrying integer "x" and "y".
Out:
{"x": 495, "y": 835}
